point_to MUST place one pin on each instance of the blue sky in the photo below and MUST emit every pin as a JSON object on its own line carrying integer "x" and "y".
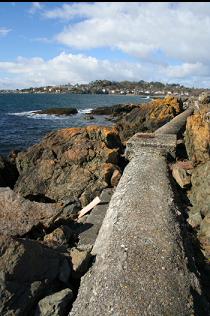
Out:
{"x": 57, "y": 43}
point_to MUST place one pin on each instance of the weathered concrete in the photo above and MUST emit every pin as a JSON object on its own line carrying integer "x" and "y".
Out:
{"x": 175, "y": 125}
{"x": 140, "y": 266}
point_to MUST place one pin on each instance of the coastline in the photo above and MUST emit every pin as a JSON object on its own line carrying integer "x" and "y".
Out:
{"x": 61, "y": 174}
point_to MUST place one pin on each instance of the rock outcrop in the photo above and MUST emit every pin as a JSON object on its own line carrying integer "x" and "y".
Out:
{"x": 28, "y": 271}
{"x": 59, "y": 111}
{"x": 18, "y": 216}
{"x": 114, "y": 110}
{"x": 197, "y": 136}
{"x": 70, "y": 164}
{"x": 149, "y": 117}
{"x": 197, "y": 141}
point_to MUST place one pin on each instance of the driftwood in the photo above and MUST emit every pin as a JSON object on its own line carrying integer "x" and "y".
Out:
{"x": 88, "y": 207}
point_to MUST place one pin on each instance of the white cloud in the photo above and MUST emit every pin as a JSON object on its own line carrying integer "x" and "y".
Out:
{"x": 36, "y": 6}
{"x": 180, "y": 30}
{"x": 64, "y": 68}
{"x": 4, "y": 31}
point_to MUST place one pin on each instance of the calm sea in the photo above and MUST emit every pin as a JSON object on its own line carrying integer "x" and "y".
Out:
{"x": 20, "y": 127}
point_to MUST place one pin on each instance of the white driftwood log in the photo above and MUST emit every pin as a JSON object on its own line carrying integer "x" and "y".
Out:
{"x": 88, "y": 207}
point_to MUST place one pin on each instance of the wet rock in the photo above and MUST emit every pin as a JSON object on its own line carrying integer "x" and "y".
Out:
{"x": 197, "y": 137}
{"x": 8, "y": 173}
{"x": 18, "y": 215}
{"x": 80, "y": 259}
{"x": 59, "y": 111}
{"x": 59, "y": 238}
{"x": 55, "y": 304}
{"x": 72, "y": 163}
{"x": 27, "y": 270}
{"x": 89, "y": 117}
{"x": 149, "y": 117}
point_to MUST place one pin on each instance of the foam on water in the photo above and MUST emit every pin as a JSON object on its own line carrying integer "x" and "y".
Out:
{"x": 85, "y": 111}
{"x": 36, "y": 115}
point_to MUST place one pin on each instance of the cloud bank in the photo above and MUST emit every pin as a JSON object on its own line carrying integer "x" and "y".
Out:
{"x": 78, "y": 68}
{"x": 167, "y": 42}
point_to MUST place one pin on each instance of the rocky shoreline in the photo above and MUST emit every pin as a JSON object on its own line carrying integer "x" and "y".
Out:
{"x": 43, "y": 188}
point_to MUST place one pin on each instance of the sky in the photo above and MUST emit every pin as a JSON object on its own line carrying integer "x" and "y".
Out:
{"x": 53, "y": 43}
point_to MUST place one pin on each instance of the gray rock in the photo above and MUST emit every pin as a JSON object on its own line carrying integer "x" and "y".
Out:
{"x": 55, "y": 304}
{"x": 28, "y": 269}
{"x": 18, "y": 215}
{"x": 80, "y": 259}
{"x": 200, "y": 192}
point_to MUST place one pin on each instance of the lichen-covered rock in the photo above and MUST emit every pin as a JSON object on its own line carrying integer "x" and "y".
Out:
{"x": 200, "y": 192}
{"x": 59, "y": 238}
{"x": 71, "y": 163}
{"x": 204, "y": 98}
{"x": 55, "y": 304}
{"x": 197, "y": 136}
{"x": 27, "y": 270}
{"x": 149, "y": 117}
{"x": 197, "y": 141}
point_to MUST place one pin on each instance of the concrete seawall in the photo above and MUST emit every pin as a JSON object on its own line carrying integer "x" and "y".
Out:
{"x": 140, "y": 266}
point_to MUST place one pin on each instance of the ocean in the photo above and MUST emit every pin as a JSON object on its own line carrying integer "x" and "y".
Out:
{"x": 20, "y": 127}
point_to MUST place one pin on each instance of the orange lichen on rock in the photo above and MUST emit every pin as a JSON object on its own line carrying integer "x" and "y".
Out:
{"x": 197, "y": 136}
{"x": 71, "y": 163}
{"x": 149, "y": 116}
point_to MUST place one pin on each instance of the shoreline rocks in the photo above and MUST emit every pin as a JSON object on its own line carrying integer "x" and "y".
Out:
{"x": 58, "y": 111}
{"x": 149, "y": 117}
{"x": 62, "y": 174}
{"x": 114, "y": 110}
{"x": 28, "y": 271}
{"x": 73, "y": 164}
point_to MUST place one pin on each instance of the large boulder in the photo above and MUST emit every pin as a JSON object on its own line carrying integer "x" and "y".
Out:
{"x": 8, "y": 173}
{"x": 27, "y": 270}
{"x": 18, "y": 216}
{"x": 149, "y": 117}
{"x": 70, "y": 164}
{"x": 197, "y": 136}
